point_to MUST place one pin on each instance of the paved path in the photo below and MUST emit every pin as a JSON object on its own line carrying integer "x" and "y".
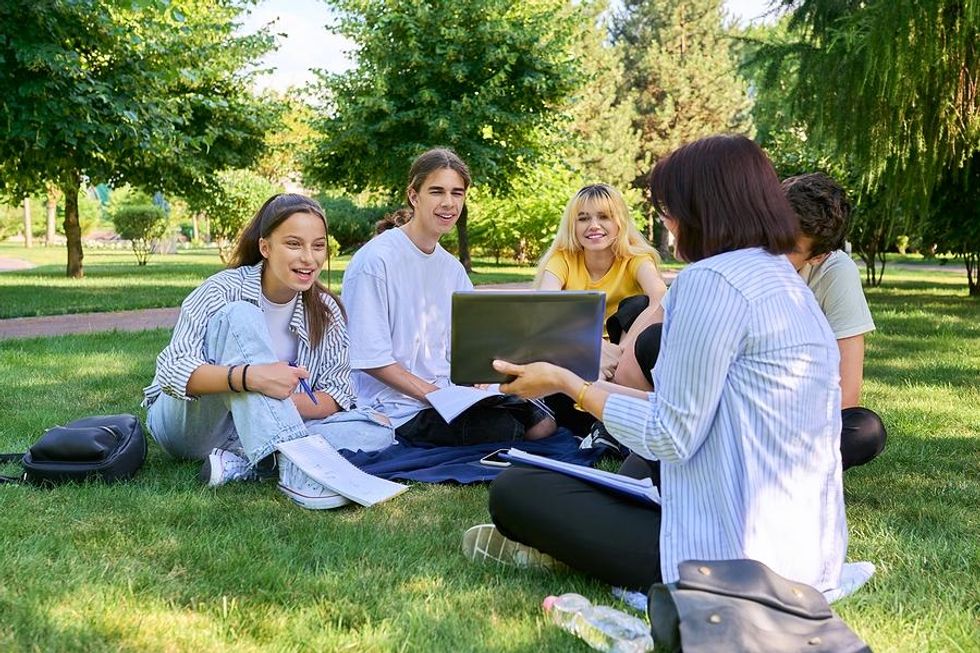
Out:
{"x": 7, "y": 263}
{"x": 60, "y": 325}
{"x": 166, "y": 318}
{"x": 140, "y": 320}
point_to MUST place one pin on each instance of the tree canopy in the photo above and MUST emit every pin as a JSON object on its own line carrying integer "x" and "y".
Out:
{"x": 151, "y": 93}
{"x": 480, "y": 76}
{"x": 603, "y": 143}
{"x": 680, "y": 63}
{"x": 891, "y": 86}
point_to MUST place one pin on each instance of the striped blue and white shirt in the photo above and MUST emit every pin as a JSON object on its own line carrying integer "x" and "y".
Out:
{"x": 328, "y": 364}
{"x": 745, "y": 419}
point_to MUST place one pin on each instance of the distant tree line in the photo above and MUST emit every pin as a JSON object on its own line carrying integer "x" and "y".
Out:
{"x": 540, "y": 97}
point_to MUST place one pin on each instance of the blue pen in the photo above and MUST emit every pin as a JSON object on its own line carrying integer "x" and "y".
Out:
{"x": 306, "y": 388}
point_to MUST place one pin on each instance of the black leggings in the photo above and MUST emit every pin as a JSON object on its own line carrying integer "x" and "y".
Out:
{"x": 603, "y": 534}
{"x": 862, "y": 435}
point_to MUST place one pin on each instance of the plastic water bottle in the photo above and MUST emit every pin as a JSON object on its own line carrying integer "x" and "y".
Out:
{"x": 600, "y": 626}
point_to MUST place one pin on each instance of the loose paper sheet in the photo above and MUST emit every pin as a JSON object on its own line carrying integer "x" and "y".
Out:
{"x": 451, "y": 401}
{"x": 322, "y": 463}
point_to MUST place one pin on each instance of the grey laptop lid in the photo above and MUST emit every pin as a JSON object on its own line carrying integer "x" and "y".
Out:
{"x": 560, "y": 327}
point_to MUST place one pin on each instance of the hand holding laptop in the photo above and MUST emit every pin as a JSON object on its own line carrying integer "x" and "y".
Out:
{"x": 534, "y": 380}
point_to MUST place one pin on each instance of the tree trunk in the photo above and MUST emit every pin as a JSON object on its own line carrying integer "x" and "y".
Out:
{"x": 52, "y": 213}
{"x": 196, "y": 236}
{"x": 464, "y": 242}
{"x": 972, "y": 260}
{"x": 73, "y": 229}
{"x": 28, "y": 227}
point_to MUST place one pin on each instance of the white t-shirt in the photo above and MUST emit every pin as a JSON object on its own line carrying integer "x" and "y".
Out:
{"x": 277, "y": 318}
{"x": 836, "y": 283}
{"x": 399, "y": 305}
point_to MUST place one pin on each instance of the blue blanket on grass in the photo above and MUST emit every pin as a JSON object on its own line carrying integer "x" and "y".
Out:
{"x": 432, "y": 464}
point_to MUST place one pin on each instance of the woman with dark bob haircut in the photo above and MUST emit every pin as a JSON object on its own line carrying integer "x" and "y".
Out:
{"x": 744, "y": 421}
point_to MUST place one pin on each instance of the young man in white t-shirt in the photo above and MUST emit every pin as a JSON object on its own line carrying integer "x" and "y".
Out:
{"x": 824, "y": 212}
{"x": 398, "y": 294}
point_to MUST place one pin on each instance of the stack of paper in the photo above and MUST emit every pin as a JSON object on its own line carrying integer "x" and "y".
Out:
{"x": 642, "y": 488}
{"x": 322, "y": 463}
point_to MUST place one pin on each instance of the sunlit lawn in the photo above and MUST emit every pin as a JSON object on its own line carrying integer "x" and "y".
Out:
{"x": 113, "y": 281}
{"x": 162, "y": 564}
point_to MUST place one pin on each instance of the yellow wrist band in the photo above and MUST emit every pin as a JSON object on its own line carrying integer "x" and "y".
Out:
{"x": 581, "y": 396}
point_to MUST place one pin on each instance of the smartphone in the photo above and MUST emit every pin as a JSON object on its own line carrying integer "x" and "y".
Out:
{"x": 495, "y": 459}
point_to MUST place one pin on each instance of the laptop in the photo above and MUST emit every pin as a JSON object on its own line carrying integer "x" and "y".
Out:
{"x": 561, "y": 327}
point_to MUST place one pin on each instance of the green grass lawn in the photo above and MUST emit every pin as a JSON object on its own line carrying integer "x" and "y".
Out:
{"x": 162, "y": 564}
{"x": 113, "y": 281}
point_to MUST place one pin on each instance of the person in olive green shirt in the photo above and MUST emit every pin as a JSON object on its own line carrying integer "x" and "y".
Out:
{"x": 824, "y": 214}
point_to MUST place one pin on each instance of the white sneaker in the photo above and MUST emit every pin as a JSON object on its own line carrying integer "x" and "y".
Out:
{"x": 298, "y": 486}
{"x": 485, "y": 543}
{"x": 222, "y": 466}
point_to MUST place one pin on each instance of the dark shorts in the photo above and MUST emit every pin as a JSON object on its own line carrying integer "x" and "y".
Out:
{"x": 646, "y": 347}
{"x": 499, "y": 419}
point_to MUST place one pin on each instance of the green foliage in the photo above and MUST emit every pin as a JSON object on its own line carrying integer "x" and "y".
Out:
{"x": 902, "y": 244}
{"x": 12, "y": 219}
{"x": 286, "y": 141}
{"x": 333, "y": 246}
{"x": 141, "y": 225}
{"x": 148, "y": 92}
{"x": 955, "y": 221}
{"x": 91, "y": 216}
{"x": 237, "y": 197}
{"x": 782, "y": 133}
{"x": 888, "y": 87}
{"x": 603, "y": 145}
{"x": 681, "y": 65}
{"x": 522, "y": 224}
{"x": 124, "y": 196}
{"x": 480, "y": 76}
{"x": 350, "y": 224}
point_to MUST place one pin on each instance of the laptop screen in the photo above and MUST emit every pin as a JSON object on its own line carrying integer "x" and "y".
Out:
{"x": 560, "y": 327}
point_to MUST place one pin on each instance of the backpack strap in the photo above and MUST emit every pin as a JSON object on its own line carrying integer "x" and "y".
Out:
{"x": 9, "y": 458}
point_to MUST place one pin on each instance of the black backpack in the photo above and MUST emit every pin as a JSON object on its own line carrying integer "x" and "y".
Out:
{"x": 103, "y": 447}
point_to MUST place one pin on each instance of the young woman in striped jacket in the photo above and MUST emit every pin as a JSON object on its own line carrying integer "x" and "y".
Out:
{"x": 259, "y": 355}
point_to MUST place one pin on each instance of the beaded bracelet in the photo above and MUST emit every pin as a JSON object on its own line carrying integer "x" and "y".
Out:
{"x": 230, "y": 386}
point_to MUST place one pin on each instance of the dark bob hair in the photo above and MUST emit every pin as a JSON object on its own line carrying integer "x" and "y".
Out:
{"x": 724, "y": 195}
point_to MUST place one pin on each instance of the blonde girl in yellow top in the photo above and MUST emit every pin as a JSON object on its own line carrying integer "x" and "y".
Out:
{"x": 598, "y": 247}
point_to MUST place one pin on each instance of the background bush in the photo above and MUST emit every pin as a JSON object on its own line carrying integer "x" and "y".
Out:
{"x": 240, "y": 194}
{"x": 351, "y": 225}
{"x": 140, "y": 224}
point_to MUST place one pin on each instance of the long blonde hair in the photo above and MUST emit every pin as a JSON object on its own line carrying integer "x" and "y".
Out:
{"x": 629, "y": 241}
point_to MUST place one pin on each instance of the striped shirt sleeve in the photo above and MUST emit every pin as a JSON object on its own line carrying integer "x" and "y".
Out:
{"x": 335, "y": 375}
{"x": 185, "y": 352}
{"x": 708, "y": 321}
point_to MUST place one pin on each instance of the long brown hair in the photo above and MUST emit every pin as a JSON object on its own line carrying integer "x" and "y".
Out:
{"x": 725, "y": 195}
{"x": 275, "y": 210}
{"x": 436, "y": 159}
